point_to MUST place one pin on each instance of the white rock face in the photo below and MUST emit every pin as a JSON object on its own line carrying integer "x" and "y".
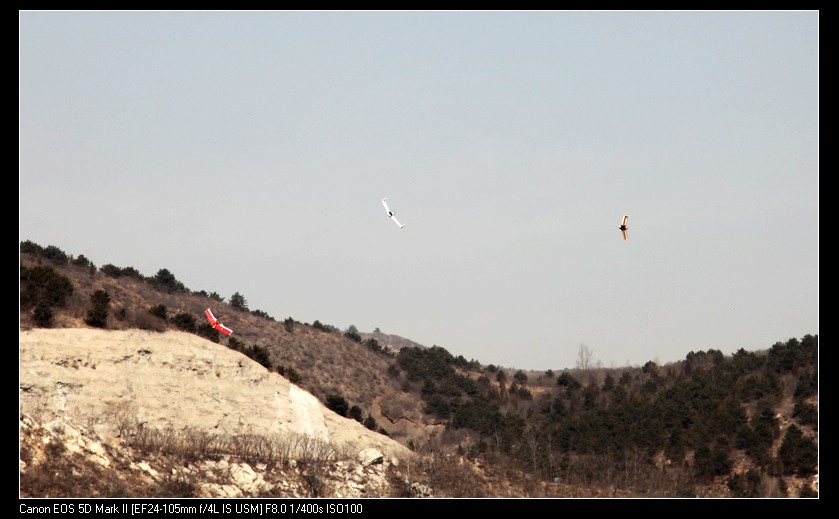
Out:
{"x": 98, "y": 378}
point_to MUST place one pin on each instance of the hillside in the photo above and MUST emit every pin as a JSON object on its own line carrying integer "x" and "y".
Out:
{"x": 177, "y": 391}
{"x": 168, "y": 414}
{"x": 322, "y": 361}
{"x": 744, "y": 425}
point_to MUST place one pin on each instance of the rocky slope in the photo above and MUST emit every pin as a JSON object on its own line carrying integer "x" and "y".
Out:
{"x": 126, "y": 398}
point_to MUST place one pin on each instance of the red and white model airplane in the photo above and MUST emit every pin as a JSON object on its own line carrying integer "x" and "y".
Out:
{"x": 217, "y": 325}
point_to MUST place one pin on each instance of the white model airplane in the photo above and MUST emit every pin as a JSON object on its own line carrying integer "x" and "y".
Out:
{"x": 215, "y": 324}
{"x": 390, "y": 213}
{"x": 623, "y": 227}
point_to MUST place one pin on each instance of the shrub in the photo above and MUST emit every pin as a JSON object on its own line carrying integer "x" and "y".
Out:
{"x": 43, "y": 316}
{"x": 259, "y": 354}
{"x": 710, "y": 462}
{"x": 43, "y": 286}
{"x": 260, "y": 313}
{"x": 337, "y": 404}
{"x": 290, "y": 373}
{"x": 808, "y": 385}
{"x": 798, "y": 453}
{"x": 566, "y": 380}
{"x": 438, "y": 405}
{"x": 370, "y": 423}
{"x": 374, "y": 345}
{"x": 81, "y": 261}
{"x": 356, "y": 413}
{"x": 30, "y": 247}
{"x": 159, "y": 311}
{"x": 165, "y": 280}
{"x": 807, "y": 414}
{"x": 784, "y": 357}
{"x": 325, "y": 327}
{"x": 208, "y": 332}
{"x": 117, "y": 272}
{"x": 56, "y": 255}
{"x": 294, "y": 376}
{"x": 184, "y": 321}
{"x": 649, "y": 387}
{"x": 212, "y": 295}
{"x": 112, "y": 271}
{"x": 235, "y": 344}
{"x": 98, "y": 315}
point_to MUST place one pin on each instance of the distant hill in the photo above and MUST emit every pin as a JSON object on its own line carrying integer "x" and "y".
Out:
{"x": 390, "y": 341}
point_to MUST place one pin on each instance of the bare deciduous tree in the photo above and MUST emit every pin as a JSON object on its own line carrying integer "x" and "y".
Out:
{"x": 584, "y": 357}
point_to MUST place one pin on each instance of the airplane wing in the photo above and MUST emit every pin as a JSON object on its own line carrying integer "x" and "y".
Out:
{"x": 624, "y": 233}
{"x": 210, "y": 317}
{"x": 223, "y": 329}
{"x": 215, "y": 324}
{"x": 401, "y": 225}
{"x": 625, "y": 218}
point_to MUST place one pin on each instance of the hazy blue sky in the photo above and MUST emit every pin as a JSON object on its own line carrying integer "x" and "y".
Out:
{"x": 249, "y": 152}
